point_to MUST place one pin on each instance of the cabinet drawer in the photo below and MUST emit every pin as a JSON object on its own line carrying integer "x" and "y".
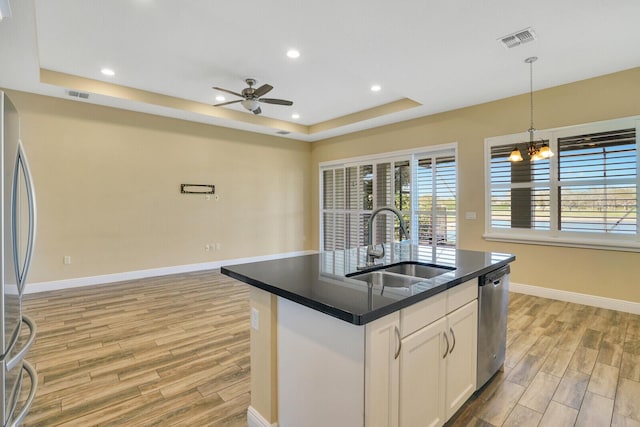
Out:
{"x": 423, "y": 313}
{"x": 462, "y": 294}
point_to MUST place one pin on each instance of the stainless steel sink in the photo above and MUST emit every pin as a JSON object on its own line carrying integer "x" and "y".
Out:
{"x": 414, "y": 269}
{"x": 388, "y": 280}
{"x": 402, "y": 275}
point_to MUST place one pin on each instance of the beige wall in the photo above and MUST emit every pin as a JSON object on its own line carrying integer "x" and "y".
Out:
{"x": 612, "y": 274}
{"x": 107, "y": 184}
{"x": 108, "y": 180}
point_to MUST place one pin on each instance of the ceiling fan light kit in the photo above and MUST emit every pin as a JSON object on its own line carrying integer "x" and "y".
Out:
{"x": 252, "y": 97}
{"x": 251, "y": 105}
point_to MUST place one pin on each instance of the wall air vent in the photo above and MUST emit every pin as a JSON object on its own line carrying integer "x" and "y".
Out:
{"x": 283, "y": 132}
{"x": 76, "y": 94}
{"x": 518, "y": 38}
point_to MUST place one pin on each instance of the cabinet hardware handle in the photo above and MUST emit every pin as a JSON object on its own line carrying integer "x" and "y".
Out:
{"x": 399, "y": 343}
{"x": 454, "y": 340}
{"x": 447, "y": 340}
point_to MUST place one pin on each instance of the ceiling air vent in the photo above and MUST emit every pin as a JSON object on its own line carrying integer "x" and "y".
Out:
{"x": 76, "y": 94}
{"x": 283, "y": 132}
{"x": 518, "y": 38}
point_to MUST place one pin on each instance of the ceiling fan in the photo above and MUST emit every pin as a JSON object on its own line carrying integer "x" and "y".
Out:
{"x": 252, "y": 97}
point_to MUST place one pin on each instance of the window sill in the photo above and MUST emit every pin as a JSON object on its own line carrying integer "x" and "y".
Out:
{"x": 603, "y": 244}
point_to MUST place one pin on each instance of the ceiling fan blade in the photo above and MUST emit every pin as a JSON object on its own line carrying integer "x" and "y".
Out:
{"x": 228, "y": 91}
{"x": 262, "y": 90}
{"x": 275, "y": 101}
{"x": 227, "y": 103}
{"x": 257, "y": 111}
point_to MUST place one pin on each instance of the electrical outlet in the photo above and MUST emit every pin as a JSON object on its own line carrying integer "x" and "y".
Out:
{"x": 218, "y": 246}
{"x": 66, "y": 260}
{"x": 207, "y": 247}
{"x": 255, "y": 318}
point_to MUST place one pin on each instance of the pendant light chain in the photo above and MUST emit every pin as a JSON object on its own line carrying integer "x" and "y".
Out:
{"x": 531, "y": 94}
{"x": 534, "y": 152}
{"x": 531, "y": 60}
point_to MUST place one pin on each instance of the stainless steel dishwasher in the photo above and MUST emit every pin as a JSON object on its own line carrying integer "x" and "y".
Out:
{"x": 493, "y": 299}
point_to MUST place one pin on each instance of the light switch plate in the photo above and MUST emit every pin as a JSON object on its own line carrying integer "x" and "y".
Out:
{"x": 469, "y": 215}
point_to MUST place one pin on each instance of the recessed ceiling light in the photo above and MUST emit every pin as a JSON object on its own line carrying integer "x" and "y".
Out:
{"x": 220, "y": 98}
{"x": 293, "y": 53}
{"x": 375, "y": 88}
{"x": 108, "y": 72}
{"x": 295, "y": 116}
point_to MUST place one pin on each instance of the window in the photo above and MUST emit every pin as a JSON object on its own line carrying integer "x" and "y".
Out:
{"x": 421, "y": 185}
{"x": 586, "y": 195}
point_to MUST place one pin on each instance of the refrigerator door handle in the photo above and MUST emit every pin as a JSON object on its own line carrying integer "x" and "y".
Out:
{"x": 12, "y": 362}
{"x": 23, "y": 164}
{"x": 17, "y": 420}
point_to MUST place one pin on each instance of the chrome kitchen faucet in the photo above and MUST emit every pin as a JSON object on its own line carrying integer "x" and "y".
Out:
{"x": 372, "y": 252}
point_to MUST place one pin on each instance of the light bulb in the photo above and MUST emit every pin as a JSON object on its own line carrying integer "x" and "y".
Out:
{"x": 250, "y": 104}
{"x": 545, "y": 151}
{"x": 516, "y": 155}
{"x": 536, "y": 156}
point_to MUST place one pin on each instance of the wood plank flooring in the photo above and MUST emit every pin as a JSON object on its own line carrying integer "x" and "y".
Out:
{"x": 171, "y": 350}
{"x": 566, "y": 365}
{"x": 174, "y": 350}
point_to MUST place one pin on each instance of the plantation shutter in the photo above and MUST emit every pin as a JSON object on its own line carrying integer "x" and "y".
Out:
{"x": 436, "y": 206}
{"x": 586, "y": 195}
{"x": 597, "y": 182}
{"x": 520, "y": 196}
{"x": 422, "y": 187}
{"x": 328, "y": 224}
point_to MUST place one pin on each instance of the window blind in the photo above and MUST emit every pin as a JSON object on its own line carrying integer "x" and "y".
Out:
{"x": 586, "y": 194}
{"x": 597, "y": 182}
{"x": 520, "y": 196}
{"x": 423, "y": 187}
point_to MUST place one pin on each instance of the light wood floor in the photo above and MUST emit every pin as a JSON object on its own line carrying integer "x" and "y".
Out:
{"x": 168, "y": 351}
{"x": 566, "y": 365}
{"x": 174, "y": 351}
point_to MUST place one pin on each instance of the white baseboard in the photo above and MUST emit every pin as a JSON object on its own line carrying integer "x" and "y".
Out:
{"x": 585, "y": 299}
{"x": 154, "y": 272}
{"x": 254, "y": 419}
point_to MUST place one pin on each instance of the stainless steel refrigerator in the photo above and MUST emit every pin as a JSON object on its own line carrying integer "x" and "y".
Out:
{"x": 17, "y": 237}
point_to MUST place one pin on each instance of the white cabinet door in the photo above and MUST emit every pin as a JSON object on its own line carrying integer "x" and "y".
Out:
{"x": 461, "y": 362}
{"x": 381, "y": 371}
{"x": 422, "y": 377}
{"x": 433, "y": 376}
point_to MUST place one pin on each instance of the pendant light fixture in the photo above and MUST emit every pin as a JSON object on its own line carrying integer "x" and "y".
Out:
{"x": 534, "y": 152}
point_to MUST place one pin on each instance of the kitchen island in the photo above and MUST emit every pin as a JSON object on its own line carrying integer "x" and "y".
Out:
{"x": 330, "y": 349}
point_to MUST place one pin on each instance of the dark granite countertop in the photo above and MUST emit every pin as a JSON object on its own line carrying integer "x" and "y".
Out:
{"x": 318, "y": 281}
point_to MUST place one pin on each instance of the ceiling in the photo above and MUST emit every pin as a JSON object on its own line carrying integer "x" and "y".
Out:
{"x": 428, "y": 56}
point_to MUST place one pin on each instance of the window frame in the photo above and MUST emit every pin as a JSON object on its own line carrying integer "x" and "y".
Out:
{"x": 555, "y": 236}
